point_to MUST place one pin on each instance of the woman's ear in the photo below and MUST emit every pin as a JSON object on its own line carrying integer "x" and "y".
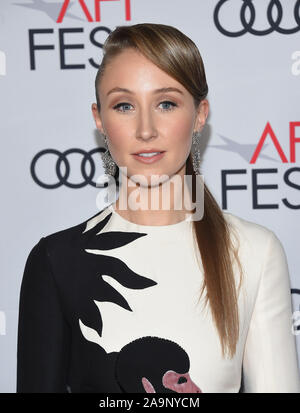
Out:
{"x": 202, "y": 113}
{"x": 97, "y": 118}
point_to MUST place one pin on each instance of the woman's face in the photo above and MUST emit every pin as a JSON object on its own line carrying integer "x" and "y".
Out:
{"x": 142, "y": 118}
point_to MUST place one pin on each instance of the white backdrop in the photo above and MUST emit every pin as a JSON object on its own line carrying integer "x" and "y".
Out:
{"x": 49, "y": 52}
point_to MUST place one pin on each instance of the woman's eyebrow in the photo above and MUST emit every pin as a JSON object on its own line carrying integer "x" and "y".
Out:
{"x": 161, "y": 90}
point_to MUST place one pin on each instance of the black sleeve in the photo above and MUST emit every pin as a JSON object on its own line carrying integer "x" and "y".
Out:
{"x": 43, "y": 333}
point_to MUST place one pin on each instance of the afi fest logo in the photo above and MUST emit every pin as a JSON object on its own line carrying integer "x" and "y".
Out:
{"x": 250, "y": 153}
{"x": 43, "y": 39}
{"x": 87, "y": 12}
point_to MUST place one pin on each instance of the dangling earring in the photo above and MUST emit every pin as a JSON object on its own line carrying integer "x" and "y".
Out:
{"x": 109, "y": 164}
{"x": 196, "y": 154}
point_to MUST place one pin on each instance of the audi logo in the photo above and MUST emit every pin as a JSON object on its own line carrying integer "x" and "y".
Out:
{"x": 247, "y": 7}
{"x": 62, "y": 158}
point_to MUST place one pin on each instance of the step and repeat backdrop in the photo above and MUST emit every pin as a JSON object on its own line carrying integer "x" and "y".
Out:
{"x": 50, "y": 148}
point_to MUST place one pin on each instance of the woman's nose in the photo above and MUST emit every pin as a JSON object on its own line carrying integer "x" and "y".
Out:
{"x": 146, "y": 128}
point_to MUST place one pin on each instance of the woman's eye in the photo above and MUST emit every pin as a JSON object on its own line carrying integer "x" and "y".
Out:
{"x": 124, "y": 104}
{"x": 120, "y": 105}
{"x": 168, "y": 102}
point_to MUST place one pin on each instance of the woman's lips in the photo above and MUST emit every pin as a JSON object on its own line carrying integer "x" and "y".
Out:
{"x": 149, "y": 159}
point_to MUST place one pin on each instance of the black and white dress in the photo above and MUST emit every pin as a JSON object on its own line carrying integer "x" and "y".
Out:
{"x": 112, "y": 306}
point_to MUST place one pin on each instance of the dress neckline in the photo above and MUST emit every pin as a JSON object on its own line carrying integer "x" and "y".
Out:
{"x": 186, "y": 223}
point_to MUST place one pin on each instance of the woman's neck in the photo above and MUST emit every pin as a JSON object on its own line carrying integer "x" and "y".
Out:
{"x": 163, "y": 203}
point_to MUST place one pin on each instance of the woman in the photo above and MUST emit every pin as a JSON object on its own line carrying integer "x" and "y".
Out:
{"x": 114, "y": 303}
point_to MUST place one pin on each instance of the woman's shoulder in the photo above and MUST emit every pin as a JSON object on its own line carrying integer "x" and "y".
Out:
{"x": 73, "y": 235}
{"x": 258, "y": 246}
{"x": 248, "y": 232}
{"x": 59, "y": 251}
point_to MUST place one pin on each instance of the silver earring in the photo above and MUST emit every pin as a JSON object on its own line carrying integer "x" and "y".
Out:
{"x": 109, "y": 164}
{"x": 196, "y": 154}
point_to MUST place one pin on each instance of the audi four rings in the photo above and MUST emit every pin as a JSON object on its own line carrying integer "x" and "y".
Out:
{"x": 247, "y": 8}
{"x": 62, "y": 158}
